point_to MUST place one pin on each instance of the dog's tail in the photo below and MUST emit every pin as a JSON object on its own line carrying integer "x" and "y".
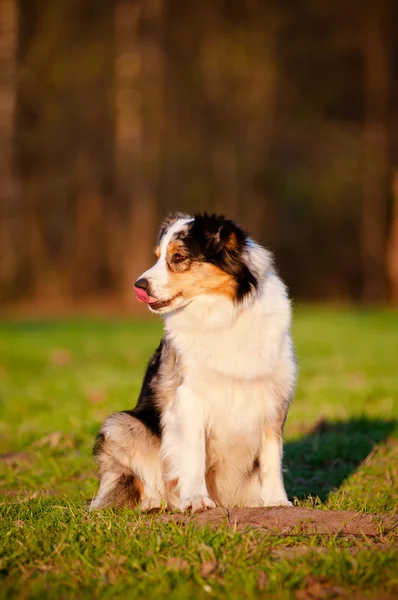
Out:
{"x": 128, "y": 456}
{"x": 119, "y": 486}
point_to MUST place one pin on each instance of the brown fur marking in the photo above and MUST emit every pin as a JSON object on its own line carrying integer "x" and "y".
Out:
{"x": 202, "y": 278}
{"x": 232, "y": 242}
{"x": 127, "y": 492}
{"x": 177, "y": 247}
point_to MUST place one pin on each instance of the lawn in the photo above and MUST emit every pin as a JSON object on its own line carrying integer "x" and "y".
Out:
{"x": 59, "y": 380}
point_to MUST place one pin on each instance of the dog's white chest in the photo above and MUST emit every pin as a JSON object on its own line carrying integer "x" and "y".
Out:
{"x": 231, "y": 408}
{"x": 237, "y": 352}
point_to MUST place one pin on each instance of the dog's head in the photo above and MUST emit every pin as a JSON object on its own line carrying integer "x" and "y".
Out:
{"x": 205, "y": 254}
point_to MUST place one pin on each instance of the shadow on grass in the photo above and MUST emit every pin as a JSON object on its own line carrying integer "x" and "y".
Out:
{"x": 319, "y": 462}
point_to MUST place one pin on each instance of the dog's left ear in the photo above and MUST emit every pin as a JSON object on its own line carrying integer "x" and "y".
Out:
{"x": 225, "y": 239}
{"x": 215, "y": 234}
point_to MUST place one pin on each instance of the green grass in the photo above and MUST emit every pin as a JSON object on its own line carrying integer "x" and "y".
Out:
{"x": 59, "y": 380}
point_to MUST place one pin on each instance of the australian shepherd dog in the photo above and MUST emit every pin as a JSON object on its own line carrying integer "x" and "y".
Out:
{"x": 207, "y": 428}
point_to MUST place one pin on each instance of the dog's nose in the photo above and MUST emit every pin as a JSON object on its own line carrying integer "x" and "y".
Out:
{"x": 142, "y": 283}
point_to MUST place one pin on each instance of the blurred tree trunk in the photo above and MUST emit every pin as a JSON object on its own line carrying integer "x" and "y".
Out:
{"x": 241, "y": 79}
{"x": 259, "y": 132}
{"x": 138, "y": 130}
{"x": 225, "y": 173}
{"x": 42, "y": 122}
{"x": 94, "y": 154}
{"x": 9, "y": 217}
{"x": 392, "y": 261}
{"x": 64, "y": 133}
{"x": 376, "y": 160}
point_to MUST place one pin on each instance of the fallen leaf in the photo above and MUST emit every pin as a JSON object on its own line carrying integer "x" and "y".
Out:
{"x": 56, "y": 439}
{"x": 19, "y": 523}
{"x": 96, "y": 396}
{"x": 356, "y": 380}
{"x": 262, "y": 580}
{"x": 52, "y": 439}
{"x": 60, "y": 357}
{"x": 15, "y": 458}
{"x": 206, "y": 553}
{"x": 319, "y": 588}
{"x": 207, "y": 568}
{"x": 174, "y": 563}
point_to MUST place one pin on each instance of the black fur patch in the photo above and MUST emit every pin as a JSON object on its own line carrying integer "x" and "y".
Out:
{"x": 98, "y": 444}
{"x": 147, "y": 410}
{"x": 217, "y": 240}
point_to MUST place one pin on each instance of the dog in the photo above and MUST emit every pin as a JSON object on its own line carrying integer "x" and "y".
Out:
{"x": 207, "y": 428}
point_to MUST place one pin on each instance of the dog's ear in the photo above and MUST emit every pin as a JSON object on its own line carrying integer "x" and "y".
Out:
{"x": 224, "y": 239}
{"x": 215, "y": 234}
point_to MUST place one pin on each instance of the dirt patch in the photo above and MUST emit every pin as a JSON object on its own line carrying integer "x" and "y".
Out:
{"x": 290, "y": 520}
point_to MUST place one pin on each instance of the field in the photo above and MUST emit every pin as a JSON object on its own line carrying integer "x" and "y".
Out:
{"x": 59, "y": 380}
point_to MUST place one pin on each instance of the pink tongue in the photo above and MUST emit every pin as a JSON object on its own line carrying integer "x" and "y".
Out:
{"x": 142, "y": 296}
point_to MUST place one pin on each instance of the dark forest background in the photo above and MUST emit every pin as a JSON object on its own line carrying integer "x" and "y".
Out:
{"x": 281, "y": 114}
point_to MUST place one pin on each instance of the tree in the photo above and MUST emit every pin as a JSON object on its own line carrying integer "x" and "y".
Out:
{"x": 138, "y": 93}
{"x": 392, "y": 257}
{"x": 9, "y": 217}
{"x": 376, "y": 155}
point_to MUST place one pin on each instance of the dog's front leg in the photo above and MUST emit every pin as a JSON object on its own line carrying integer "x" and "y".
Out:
{"x": 190, "y": 455}
{"x": 272, "y": 487}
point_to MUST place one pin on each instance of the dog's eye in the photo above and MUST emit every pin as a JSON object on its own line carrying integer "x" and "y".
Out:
{"x": 177, "y": 258}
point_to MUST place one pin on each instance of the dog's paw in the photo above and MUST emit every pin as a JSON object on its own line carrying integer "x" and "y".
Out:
{"x": 96, "y": 504}
{"x": 148, "y": 504}
{"x": 272, "y": 500}
{"x": 196, "y": 504}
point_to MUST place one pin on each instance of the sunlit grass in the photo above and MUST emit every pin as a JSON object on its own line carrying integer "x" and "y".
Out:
{"x": 58, "y": 381}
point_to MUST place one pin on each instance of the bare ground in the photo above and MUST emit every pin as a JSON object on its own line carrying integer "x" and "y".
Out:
{"x": 292, "y": 520}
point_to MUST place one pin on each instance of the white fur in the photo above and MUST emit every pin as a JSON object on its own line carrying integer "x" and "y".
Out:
{"x": 238, "y": 368}
{"x": 158, "y": 275}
